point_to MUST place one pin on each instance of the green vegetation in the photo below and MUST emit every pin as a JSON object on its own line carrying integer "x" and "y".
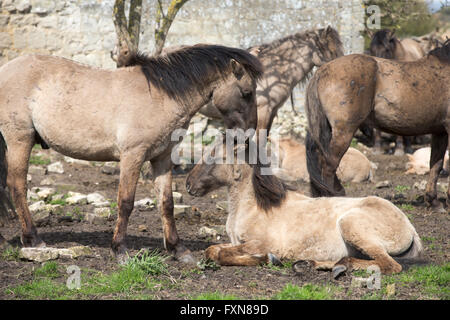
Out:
{"x": 214, "y": 296}
{"x": 143, "y": 274}
{"x": 11, "y": 253}
{"x": 306, "y": 292}
{"x": 39, "y": 160}
{"x": 401, "y": 189}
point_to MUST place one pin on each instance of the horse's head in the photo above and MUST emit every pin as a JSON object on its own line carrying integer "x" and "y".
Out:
{"x": 383, "y": 44}
{"x": 211, "y": 172}
{"x": 235, "y": 96}
{"x": 329, "y": 46}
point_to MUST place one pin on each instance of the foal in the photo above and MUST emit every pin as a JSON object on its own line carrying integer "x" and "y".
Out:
{"x": 266, "y": 219}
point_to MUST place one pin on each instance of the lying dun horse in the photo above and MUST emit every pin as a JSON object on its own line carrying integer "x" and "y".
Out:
{"x": 354, "y": 166}
{"x": 266, "y": 219}
{"x": 404, "y": 98}
{"x": 124, "y": 115}
{"x": 287, "y": 62}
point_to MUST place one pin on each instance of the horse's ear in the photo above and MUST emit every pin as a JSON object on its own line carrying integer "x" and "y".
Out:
{"x": 237, "y": 68}
{"x": 254, "y": 51}
{"x": 392, "y": 33}
{"x": 329, "y": 30}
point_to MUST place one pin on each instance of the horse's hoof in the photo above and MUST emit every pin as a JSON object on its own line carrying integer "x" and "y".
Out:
{"x": 184, "y": 255}
{"x": 338, "y": 270}
{"x": 273, "y": 259}
{"x": 301, "y": 266}
{"x": 121, "y": 255}
{"x": 32, "y": 242}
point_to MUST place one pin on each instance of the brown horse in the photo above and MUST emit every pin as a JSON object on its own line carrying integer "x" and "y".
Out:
{"x": 405, "y": 98}
{"x": 124, "y": 115}
{"x": 267, "y": 220}
{"x": 385, "y": 45}
{"x": 287, "y": 62}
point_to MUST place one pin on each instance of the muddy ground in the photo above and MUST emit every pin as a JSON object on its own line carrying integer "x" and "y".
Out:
{"x": 243, "y": 282}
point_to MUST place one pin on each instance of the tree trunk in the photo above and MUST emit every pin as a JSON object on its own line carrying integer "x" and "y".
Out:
{"x": 164, "y": 21}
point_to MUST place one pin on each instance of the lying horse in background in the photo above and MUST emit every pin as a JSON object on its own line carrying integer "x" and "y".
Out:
{"x": 385, "y": 45}
{"x": 287, "y": 62}
{"x": 354, "y": 166}
{"x": 125, "y": 115}
{"x": 267, "y": 220}
{"x": 405, "y": 98}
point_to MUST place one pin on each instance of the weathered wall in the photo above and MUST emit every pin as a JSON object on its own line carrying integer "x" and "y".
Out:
{"x": 83, "y": 30}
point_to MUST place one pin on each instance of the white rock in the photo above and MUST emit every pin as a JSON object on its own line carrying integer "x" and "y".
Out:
{"x": 420, "y": 185}
{"x": 29, "y": 177}
{"x": 76, "y": 161}
{"x": 181, "y": 210}
{"x": 47, "y": 253}
{"x": 56, "y": 167}
{"x": 177, "y": 197}
{"x": 37, "y": 206}
{"x": 47, "y": 182}
{"x": 383, "y": 184}
{"x": 45, "y": 193}
{"x": 205, "y": 232}
{"x": 76, "y": 198}
{"x": 145, "y": 203}
{"x": 36, "y": 170}
{"x": 95, "y": 197}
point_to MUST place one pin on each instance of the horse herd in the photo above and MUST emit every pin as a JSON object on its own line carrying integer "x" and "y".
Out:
{"x": 128, "y": 115}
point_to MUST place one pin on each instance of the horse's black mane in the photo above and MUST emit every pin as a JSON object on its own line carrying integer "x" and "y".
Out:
{"x": 443, "y": 52}
{"x": 380, "y": 39}
{"x": 269, "y": 190}
{"x": 180, "y": 71}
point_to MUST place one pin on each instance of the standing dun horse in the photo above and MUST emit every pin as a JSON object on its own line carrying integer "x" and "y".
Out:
{"x": 287, "y": 62}
{"x": 267, "y": 220}
{"x": 404, "y": 98}
{"x": 385, "y": 45}
{"x": 124, "y": 115}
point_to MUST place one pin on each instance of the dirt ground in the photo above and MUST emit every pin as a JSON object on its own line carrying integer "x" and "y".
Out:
{"x": 243, "y": 282}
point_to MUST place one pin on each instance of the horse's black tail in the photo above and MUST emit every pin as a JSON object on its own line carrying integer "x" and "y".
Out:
{"x": 6, "y": 208}
{"x": 318, "y": 140}
{"x": 413, "y": 256}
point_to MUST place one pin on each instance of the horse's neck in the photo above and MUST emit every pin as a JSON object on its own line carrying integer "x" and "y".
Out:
{"x": 288, "y": 63}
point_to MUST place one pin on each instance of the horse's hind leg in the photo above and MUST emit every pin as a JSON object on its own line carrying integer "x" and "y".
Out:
{"x": 251, "y": 253}
{"x": 438, "y": 146}
{"x": 130, "y": 165}
{"x": 358, "y": 234}
{"x": 18, "y": 154}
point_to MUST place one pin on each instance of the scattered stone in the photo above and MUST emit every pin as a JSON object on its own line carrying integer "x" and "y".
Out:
{"x": 145, "y": 203}
{"x": 76, "y": 198}
{"x": 56, "y": 167}
{"x": 420, "y": 185}
{"x": 177, "y": 197}
{"x": 29, "y": 177}
{"x": 95, "y": 198}
{"x": 32, "y": 196}
{"x": 383, "y": 184}
{"x": 110, "y": 170}
{"x": 36, "y": 170}
{"x": 37, "y": 206}
{"x": 358, "y": 282}
{"x": 47, "y": 253}
{"x": 442, "y": 187}
{"x": 205, "y": 232}
{"x": 47, "y": 182}
{"x": 57, "y": 197}
{"x": 39, "y": 254}
{"x": 44, "y": 193}
{"x": 76, "y": 161}
{"x": 174, "y": 186}
{"x": 222, "y": 205}
{"x": 41, "y": 218}
{"x": 99, "y": 216}
{"x": 181, "y": 210}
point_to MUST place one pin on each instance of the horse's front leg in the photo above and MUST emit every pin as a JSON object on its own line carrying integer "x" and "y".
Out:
{"x": 130, "y": 165}
{"x": 438, "y": 147}
{"x": 162, "y": 170}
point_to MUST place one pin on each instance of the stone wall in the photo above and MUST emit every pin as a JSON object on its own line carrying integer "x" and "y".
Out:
{"x": 83, "y": 30}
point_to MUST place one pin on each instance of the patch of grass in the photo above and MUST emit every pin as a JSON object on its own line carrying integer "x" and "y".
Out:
{"x": 215, "y": 296}
{"x": 284, "y": 268}
{"x": 401, "y": 189}
{"x": 406, "y": 207}
{"x": 134, "y": 280}
{"x": 49, "y": 269}
{"x": 306, "y": 292}
{"x": 11, "y": 254}
{"x": 207, "y": 264}
{"x": 432, "y": 279}
{"x": 354, "y": 143}
{"x": 39, "y": 160}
